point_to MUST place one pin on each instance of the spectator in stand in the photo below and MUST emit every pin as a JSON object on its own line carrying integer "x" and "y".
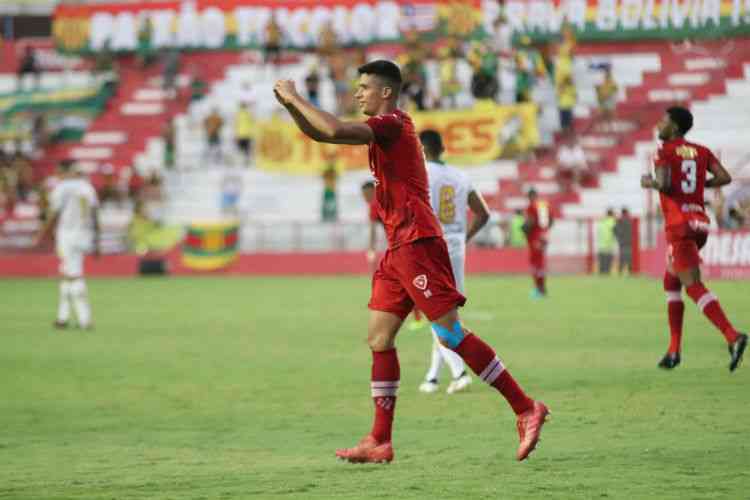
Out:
{"x": 484, "y": 83}
{"x": 624, "y": 236}
{"x": 567, "y": 94}
{"x": 168, "y": 136}
{"x": 571, "y": 161}
{"x": 198, "y": 86}
{"x": 606, "y": 94}
{"x": 40, "y": 134}
{"x": 272, "y": 52}
{"x": 24, "y": 176}
{"x": 171, "y": 68}
{"x": 144, "y": 53}
{"x": 338, "y": 64}
{"x": 450, "y": 86}
{"x": 605, "y": 241}
{"x": 502, "y": 44}
{"x": 108, "y": 191}
{"x": 328, "y": 42}
{"x": 243, "y": 132}
{"x": 312, "y": 87}
{"x": 212, "y": 126}
{"x": 413, "y": 71}
{"x": 329, "y": 207}
{"x": 28, "y": 66}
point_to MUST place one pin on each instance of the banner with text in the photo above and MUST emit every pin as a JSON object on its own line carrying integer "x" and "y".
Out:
{"x": 725, "y": 256}
{"x": 476, "y": 136}
{"x": 214, "y": 24}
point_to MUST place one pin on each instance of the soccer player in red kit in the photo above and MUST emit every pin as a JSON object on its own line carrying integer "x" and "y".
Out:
{"x": 681, "y": 171}
{"x": 538, "y": 222}
{"x": 415, "y": 270}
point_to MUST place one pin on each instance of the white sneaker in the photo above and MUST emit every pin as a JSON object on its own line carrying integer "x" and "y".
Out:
{"x": 459, "y": 384}
{"x": 428, "y": 387}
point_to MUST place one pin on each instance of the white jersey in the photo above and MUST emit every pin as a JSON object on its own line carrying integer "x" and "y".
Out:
{"x": 74, "y": 200}
{"x": 449, "y": 196}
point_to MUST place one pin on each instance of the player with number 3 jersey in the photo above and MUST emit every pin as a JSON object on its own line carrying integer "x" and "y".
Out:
{"x": 681, "y": 176}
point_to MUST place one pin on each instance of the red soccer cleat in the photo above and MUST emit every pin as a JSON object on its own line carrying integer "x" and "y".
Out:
{"x": 529, "y": 427}
{"x": 367, "y": 451}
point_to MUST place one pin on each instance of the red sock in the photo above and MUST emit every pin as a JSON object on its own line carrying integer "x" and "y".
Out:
{"x": 709, "y": 305}
{"x": 386, "y": 374}
{"x": 482, "y": 360}
{"x": 675, "y": 310}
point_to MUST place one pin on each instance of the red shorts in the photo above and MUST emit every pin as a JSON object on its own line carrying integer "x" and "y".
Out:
{"x": 537, "y": 249}
{"x": 683, "y": 247}
{"x": 417, "y": 273}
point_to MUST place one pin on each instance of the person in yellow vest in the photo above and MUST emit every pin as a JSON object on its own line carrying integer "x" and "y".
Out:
{"x": 566, "y": 90}
{"x": 606, "y": 94}
{"x": 243, "y": 132}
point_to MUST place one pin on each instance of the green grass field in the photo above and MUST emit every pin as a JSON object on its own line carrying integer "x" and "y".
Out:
{"x": 224, "y": 388}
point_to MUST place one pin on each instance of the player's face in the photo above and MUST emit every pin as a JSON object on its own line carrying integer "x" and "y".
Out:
{"x": 371, "y": 93}
{"x": 666, "y": 128}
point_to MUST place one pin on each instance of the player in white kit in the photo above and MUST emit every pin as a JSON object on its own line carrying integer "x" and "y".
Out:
{"x": 451, "y": 194}
{"x": 73, "y": 215}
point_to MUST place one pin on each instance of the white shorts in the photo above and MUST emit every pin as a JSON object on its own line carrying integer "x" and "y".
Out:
{"x": 457, "y": 253}
{"x": 71, "y": 250}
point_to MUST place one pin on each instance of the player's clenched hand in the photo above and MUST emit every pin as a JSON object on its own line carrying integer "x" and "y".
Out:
{"x": 646, "y": 181}
{"x": 285, "y": 91}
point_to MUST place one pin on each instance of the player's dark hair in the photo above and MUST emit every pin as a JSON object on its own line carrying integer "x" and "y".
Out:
{"x": 432, "y": 142}
{"x": 532, "y": 192}
{"x": 681, "y": 117}
{"x": 385, "y": 70}
{"x": 368, "y": 185}
{"x": 66, "y": 165}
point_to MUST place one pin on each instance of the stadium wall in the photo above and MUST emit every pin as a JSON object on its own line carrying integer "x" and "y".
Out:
{"x": 500, "y": 261}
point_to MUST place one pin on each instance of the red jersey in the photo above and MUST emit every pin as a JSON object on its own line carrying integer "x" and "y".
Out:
{"x": 539, "y": 217}
{"x": 373, "y": 211}
{"x": 402, "y": 194}
{"x": 688, "y": 165}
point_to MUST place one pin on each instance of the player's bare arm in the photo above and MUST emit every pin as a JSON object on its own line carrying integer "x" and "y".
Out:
{"x": 317, "y": 124}
{"x": 720, "y": 175}
{"x": 481, "y": 212}
{"x": 660, "y": 181}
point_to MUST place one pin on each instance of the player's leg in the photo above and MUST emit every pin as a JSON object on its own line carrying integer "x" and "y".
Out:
{"x": 78, "y": 290}
{"x": 461, "y": 380}
{"x": 483, "y": 361}
{"x": 433, "y": 290}
{"x": 64, "y": 299}
{"x": 686, "y": 262}
{"x": 63, "y": 305}
{"x": 430, "y": 383}
{"x": 675, "y": 314}
{"x": 389, "y": 306}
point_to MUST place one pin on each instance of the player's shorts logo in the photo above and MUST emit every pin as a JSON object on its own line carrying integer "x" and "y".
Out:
{"x": 420, "y": 282}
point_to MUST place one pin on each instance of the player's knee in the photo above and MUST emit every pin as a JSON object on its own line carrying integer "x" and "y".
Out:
{"x": 449, "y": 337}
{"x": 379, "y": 340}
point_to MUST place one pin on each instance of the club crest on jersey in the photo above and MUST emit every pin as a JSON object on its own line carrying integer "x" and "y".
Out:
{"x": 420, "y": 282}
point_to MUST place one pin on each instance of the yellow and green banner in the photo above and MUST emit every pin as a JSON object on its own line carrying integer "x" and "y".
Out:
{"x": 230, "y": 24}
{"x": 210, "y": 246}
{"x": 473, "y": 136}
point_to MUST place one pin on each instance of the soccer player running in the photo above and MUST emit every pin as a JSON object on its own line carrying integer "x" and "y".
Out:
{"x": 538, "y": 221}
{"x": 451, "y": 193}
{"x": 681, "y": 169}
{"x": 74, "y": 217}
{"x": 415, "y": 269}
